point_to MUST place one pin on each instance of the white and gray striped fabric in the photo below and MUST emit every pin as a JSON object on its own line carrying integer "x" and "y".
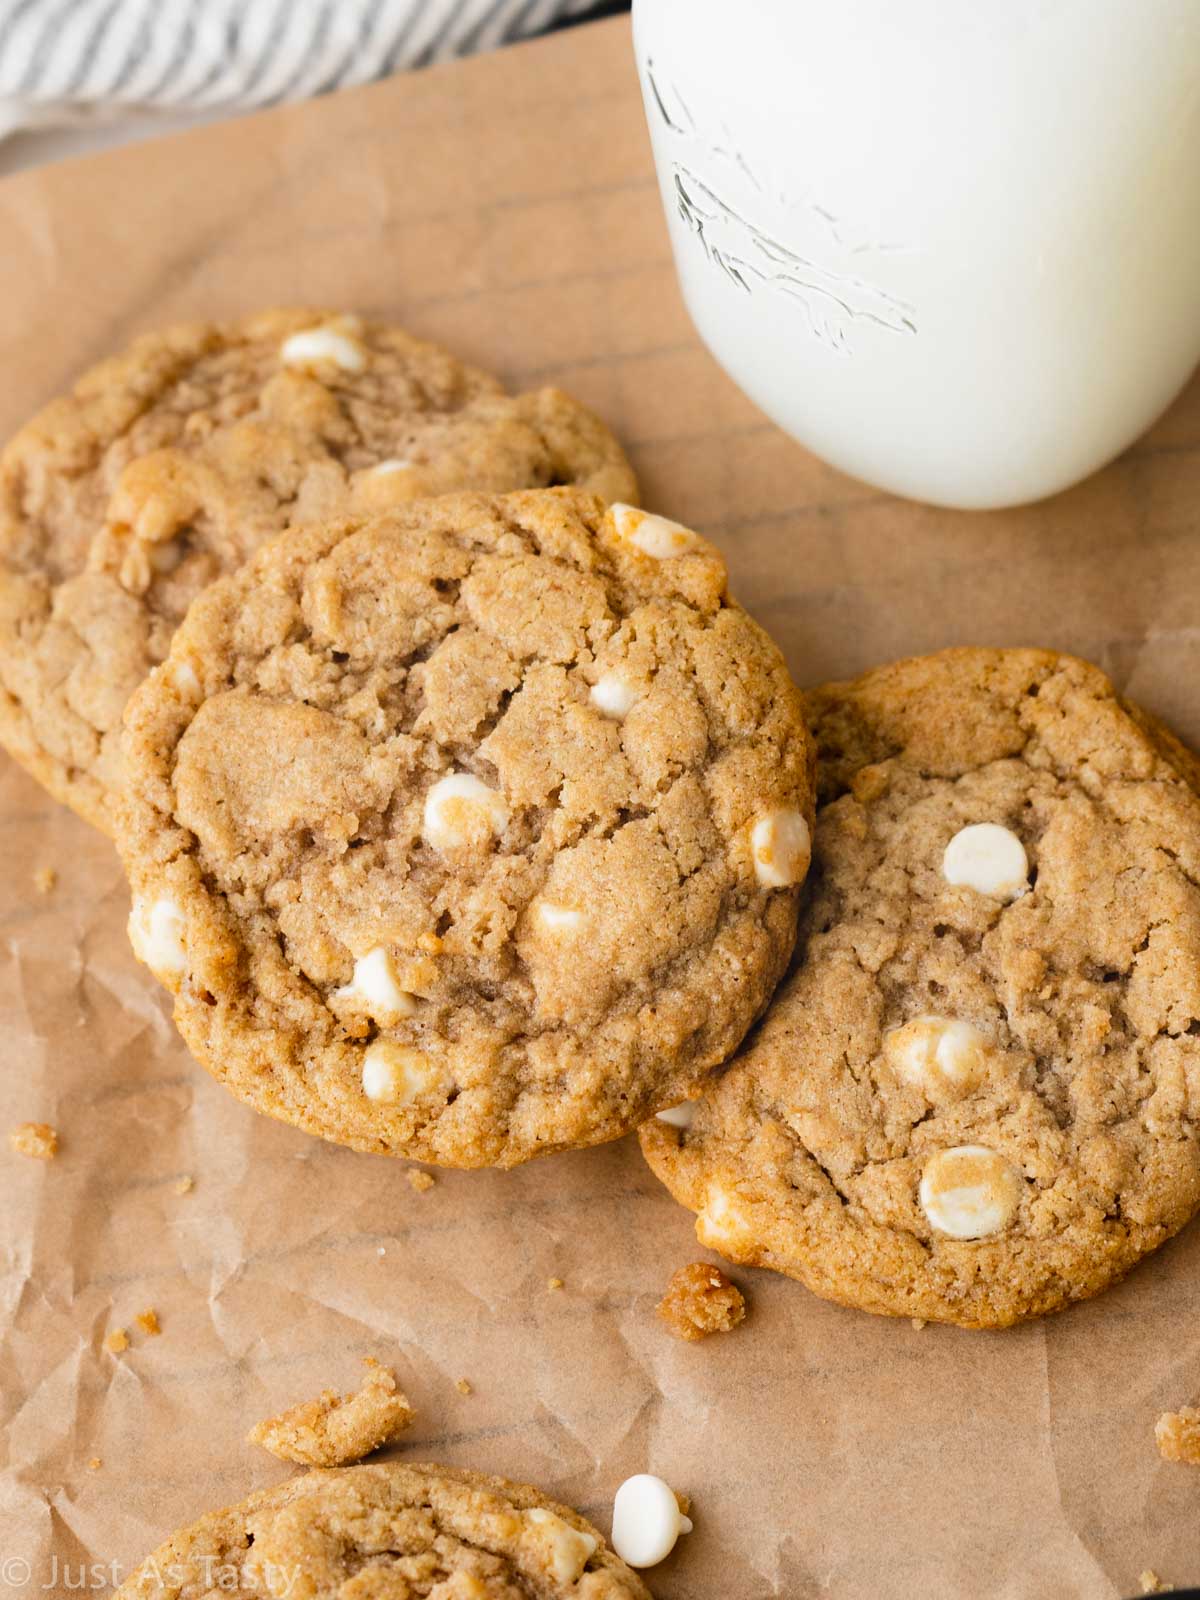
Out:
{"x": 63, "y": 60}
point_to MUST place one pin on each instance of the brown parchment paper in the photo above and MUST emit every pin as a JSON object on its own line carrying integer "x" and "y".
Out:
{"x": 507, "y": 207}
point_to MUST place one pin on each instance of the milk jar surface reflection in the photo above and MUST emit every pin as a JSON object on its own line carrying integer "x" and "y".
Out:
{"x": 953, "y": 248}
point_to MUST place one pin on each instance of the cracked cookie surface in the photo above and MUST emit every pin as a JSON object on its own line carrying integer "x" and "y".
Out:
{"x": 975, "y": 1098}
{"x": 470, "y": 831}
{"x": 168, "y": 465}
{"x": 417, "y": 1532}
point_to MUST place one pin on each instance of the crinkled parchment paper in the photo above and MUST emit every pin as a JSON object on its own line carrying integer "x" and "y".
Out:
{"x": 507, "y": 207}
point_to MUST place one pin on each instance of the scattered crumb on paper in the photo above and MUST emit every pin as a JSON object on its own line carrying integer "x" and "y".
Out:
{"x": 701, "y": 1300}
{"x": 334, "y": 1429}
{"x": 463, "y": 1386}
{"x": 1178, "y": 1435}
{"x": 420, "y": 1180}
{"x": 117, "y": 1341}
{"x": 37, "y": 1140}
{"x": 148, "y": 1321}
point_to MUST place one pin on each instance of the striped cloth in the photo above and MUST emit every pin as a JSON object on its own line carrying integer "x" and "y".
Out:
{"x": 65, "y": 60}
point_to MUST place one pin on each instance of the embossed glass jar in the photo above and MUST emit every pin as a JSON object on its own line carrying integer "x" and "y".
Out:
{"x": 954, "y": 248}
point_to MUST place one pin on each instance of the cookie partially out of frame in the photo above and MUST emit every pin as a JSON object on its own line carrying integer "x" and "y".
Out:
{"x": 470, "y": 831}
{"x": 977, "y": 1097}
{"x": 359, "y": 1533}
{"x": 170, "y": 464}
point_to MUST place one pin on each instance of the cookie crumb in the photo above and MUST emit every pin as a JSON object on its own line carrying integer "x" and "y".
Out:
{"x": 148, "y": 1321}
{"x": 554, "y": 1283}
{"x": 701, "y": 1300}
{"x": 334, "y": 1429}
{"x": 37, "y": 1140}
{"x": 1152, "y": 1584}
{"x": 919, "y": 1323}
{"x": 1178, "y": 1435}
{"x": 117, "y": 1341}
{"x": 420, "y": 1180}
{"x": 44, "y": 879}
{"x": 463, "y": 1386}
{"x": 95, "y": 1464}
{"x": 186, "y": 1184}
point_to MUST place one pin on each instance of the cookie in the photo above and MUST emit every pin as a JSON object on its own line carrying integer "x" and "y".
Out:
{"x": 470, "y": 831}
{"x": 361, "y": 1533}
{"x": 976, "y": 1097}
{"x": 168, "y": 465}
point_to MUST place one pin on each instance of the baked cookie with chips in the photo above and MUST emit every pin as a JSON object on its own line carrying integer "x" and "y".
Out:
{"x": 470, "y": 831}
{"x": 977, "y": 1096}
{"x": 168, "y": 465}
{"x": 436, "y": 1532}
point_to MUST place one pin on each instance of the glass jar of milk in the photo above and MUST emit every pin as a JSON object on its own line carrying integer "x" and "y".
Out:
{"x": 953, "y": 246}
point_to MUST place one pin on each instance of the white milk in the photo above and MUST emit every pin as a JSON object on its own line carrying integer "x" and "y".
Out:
{"x": 951, "y": 245}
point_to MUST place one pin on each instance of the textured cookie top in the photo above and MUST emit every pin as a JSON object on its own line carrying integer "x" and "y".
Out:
{"x": 363, "y": 1533}
{"x": 168, "y": 465}
{"x": 472, "y": 830}
{"x": 975, "y": 1098}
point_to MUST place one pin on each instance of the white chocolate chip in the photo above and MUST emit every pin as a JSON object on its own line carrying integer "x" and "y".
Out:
{"x": 653, "y": 536}
{"x": 722, "y": 1222}
{"x": 937, "y": 1054}
{"x": 393, "y": 464}
{"x": 782, "y": 848}
{"x": 167, "y": 555}
{"x": 989, "y": 859}
{"x": 457, "y": 806}
{"x": 969, "y": 1192}
{"x": 646, "y": 1520}
{"x": 569, "y": 1548}
{"x": 397, "y": 1073}
{"x": 376, "y": 987}
{"x": 156, "y": 932}
{"x": 313, "y": 346}
{"x": 680, "y": 1116}
{"x": 612, "y": 695}
{"x": 558, "y": 919}
{"x": 185, "y": 679}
